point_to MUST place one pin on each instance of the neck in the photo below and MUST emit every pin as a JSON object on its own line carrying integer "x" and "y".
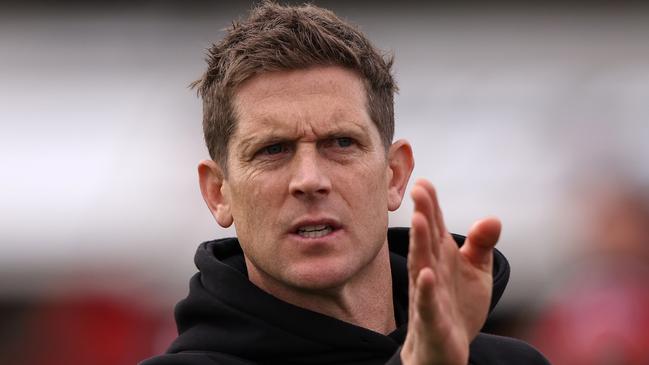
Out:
{"x": 365, "y": 300}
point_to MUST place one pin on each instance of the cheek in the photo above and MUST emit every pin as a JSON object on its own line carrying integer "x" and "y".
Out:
{"x": 255, "y": 198}
{"x": 364, "y": 188}
{"x": 373, "y": 180}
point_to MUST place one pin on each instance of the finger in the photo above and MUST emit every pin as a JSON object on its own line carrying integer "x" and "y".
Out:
{"x": 424, "y": 205}
{"x": 481, "y": 239}
{"x": 439, "y": 217}
{"x": 411, "y": 297}
{"x": 425, "y": 301}
{"x": 419, "y": 255}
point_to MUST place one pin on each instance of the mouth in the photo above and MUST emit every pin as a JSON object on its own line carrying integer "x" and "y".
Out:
{"x": 314, "y": 231}
{"x": 315, "y": 228}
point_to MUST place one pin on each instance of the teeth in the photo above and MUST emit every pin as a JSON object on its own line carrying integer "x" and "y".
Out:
{"x": 314, "y": 231}
{"x": 312, "y": 228}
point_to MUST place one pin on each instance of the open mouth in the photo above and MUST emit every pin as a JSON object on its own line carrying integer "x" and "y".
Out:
{"x": 314, "y": 231}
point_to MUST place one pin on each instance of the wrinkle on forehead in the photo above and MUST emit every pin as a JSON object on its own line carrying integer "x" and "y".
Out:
{"x": 268, "y": 131}
{"x": 298, "y": 86}
{"x": 299, "y": 104}
{"x": 307, "y": 81}
{"x": 303, "y": 125}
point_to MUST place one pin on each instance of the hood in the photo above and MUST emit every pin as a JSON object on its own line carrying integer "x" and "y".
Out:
{"x": 225, "y": 313}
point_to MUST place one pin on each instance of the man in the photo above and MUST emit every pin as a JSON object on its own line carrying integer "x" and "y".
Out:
{"x": 298, "y": 119}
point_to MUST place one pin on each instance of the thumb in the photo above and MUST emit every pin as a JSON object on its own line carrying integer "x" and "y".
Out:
{"x": 481, "y": 239}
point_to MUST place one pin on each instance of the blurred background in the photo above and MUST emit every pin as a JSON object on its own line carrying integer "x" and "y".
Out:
{"x": 535, "y": 113}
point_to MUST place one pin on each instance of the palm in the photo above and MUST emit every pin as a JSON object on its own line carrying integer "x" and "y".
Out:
{"x": 450, "y": 288}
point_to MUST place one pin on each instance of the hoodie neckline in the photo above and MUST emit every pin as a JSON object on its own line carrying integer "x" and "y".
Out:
{"x": 224, "y": 312}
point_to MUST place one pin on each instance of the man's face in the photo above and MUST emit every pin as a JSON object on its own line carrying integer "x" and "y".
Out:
{"x": 308, "y": 178}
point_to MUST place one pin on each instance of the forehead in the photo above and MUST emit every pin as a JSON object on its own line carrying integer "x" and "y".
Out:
{"x": 319, "y": 98}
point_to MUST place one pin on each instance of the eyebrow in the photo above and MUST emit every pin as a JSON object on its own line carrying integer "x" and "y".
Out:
{"x": 342, "y": 129}
{"x": 254, "y": 141}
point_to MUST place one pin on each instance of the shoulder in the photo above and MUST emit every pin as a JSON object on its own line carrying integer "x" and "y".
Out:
{"x": 196, "y": 358}
{"x": 499, "y": 350}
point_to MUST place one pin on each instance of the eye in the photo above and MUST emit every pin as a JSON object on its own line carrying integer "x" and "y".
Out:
{"x": 344, "y": 142}
{"x": 273, "y": 149}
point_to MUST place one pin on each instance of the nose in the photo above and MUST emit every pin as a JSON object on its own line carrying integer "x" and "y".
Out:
{"x": 309, "y": 178}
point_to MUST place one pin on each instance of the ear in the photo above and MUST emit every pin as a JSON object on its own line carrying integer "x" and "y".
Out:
{"x": 400, "y": 166}
{"x": 216, "y": 192}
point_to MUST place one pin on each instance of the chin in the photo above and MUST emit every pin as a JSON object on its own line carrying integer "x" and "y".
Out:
{"x": 319, "y": 277}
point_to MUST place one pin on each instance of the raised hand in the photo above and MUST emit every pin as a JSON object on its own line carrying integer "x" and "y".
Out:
{"x": 449, "y": 288}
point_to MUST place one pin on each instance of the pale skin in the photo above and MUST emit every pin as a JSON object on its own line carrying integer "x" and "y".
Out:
{"x": 306, "y": 152}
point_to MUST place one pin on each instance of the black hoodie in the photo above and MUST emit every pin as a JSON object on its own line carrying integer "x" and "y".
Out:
{"x": 226, "y": 319}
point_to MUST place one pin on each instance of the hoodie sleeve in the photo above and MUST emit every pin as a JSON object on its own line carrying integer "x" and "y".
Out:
{"x": 195, "y": 358}
{"x": 492, "y": 349}
{"x": 497, "y": 350}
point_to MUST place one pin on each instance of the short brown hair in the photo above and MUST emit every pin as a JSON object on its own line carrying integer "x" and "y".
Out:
{"x": 276, "y": 37}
